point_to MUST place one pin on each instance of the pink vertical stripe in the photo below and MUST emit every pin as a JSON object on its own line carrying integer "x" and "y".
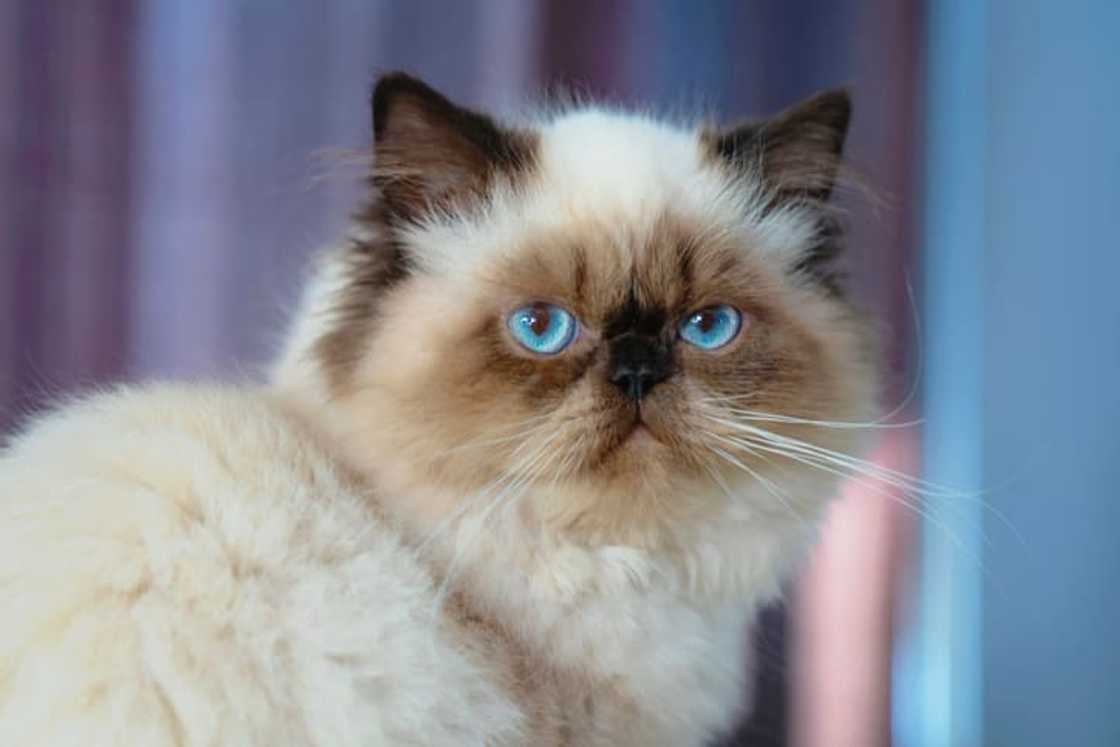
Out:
{"x": 844, "y": 613}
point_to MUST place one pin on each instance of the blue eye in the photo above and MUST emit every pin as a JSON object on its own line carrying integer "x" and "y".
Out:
{"x": 543, "y": 327}
{"x": 712, "y": 327}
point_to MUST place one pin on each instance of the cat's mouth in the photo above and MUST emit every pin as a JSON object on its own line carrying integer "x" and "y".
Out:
{"x": 628, "y": 437}
{"x": 640, "y": 433}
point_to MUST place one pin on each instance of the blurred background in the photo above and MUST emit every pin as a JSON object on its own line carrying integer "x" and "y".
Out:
{"x": 166, "y": 170}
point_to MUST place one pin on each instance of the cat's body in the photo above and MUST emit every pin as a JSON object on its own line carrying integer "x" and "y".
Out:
{"x": 186, "y": 566}
{"x": 193, "y": 568}
{"x": 421, "y": 533}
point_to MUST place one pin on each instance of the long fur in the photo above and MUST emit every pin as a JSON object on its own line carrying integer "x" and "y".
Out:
{"x": 419, "y": 533}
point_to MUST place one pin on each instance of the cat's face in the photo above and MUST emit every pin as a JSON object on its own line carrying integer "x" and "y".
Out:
{"x": 618, "y": 318}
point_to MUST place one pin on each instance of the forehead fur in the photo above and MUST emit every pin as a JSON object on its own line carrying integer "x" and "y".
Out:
{"x": 619, "y": 175}
{"x": 594, "y": 190}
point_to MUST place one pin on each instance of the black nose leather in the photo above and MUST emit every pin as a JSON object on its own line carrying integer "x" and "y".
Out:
{"x": 638, "y": 364}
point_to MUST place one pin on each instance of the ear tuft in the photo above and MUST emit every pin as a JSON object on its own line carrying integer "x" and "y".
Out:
{"x": 798, "y": 151}
{"x": 429, "y": 152}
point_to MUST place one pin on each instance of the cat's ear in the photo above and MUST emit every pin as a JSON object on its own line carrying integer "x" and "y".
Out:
{"x": 429, "y": 152}
{"x": 797, "y": 152}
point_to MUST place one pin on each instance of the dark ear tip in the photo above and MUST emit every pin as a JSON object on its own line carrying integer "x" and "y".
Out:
{"x": 840, "y": 94}
{"x": 833, "y": 105}
{"x": 391, "y": 86}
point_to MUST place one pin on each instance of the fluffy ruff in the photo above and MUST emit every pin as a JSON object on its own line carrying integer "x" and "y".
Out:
{"x": 182, "y": 567}
{"x": 422, "y": 533}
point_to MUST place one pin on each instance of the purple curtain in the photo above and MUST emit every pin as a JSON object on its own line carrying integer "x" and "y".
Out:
{"x": 167, "y": 167}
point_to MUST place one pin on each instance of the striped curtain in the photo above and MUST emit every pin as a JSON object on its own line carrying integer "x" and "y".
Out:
{"x": 166, "y": 168}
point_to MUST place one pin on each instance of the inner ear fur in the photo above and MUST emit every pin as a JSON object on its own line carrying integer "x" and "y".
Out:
{"x": 797, "y": 153}
{"x": 430, "y": 152}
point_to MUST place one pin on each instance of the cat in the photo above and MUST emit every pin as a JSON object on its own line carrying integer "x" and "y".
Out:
{"x": 545, "y": 434}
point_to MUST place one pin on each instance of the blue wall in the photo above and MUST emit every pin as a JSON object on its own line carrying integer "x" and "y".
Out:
{"x": 1052, "y": 385}
{"x": 1022, "y": 248}
{"x": 937, "y": 684}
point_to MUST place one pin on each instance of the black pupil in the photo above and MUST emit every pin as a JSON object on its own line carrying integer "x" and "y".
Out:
{"x": 539, "y": 319}
{"x": 705, "y": 320}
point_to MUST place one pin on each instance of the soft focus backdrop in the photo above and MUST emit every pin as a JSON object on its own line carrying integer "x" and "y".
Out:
{"x": 167, "y": 167}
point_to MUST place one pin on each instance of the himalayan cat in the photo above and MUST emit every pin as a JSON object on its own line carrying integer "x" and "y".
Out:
{"x": 544, "y": 436}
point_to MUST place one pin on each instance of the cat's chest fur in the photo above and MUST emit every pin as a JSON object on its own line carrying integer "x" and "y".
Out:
{"x": 643, "y": 668}
{"x": 606, "y": 644}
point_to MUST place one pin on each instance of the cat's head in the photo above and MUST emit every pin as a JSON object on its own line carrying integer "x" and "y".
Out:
{"x": 604, "y": 320}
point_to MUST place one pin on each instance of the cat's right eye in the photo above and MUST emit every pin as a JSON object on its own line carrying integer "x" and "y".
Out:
{"x": 543, "y": 328}
{"x": 712, "y": 327}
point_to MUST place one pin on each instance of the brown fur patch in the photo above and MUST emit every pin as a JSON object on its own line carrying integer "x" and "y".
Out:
{"x": 797, "y": 154}
{"x": 475, "y": 384}
{"x": 373, "y": 266}
{"x": 797, "y": 151}
{"x": 530, "y": 680}
{"x": 429, "y": 154}
{"x": 563, "y": 707}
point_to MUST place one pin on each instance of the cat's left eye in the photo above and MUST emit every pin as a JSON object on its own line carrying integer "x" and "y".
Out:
{"x": 544, "y": 328}
{"x": 711, "y": 327}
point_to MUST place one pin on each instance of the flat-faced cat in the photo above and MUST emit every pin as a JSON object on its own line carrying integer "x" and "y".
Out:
{"x": 546, "y": 432}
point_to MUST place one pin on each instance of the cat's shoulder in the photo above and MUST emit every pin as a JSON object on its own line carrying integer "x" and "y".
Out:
{"x": 149, "y": 460}
{"x": 185, "y": 564}
{"x": 97, "y": 418}
{"x": 147, "y": 433}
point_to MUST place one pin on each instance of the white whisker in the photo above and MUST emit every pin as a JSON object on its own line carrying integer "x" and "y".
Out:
{"x": 768, "y": 417}
{"x": 510, "y": 489}
{"x": 773, "y": 489}
{"x": 871, "y": 484}
{"x": 886, "y": 474}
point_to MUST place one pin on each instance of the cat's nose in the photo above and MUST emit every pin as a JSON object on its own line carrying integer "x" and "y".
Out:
{"x": 638, "y": 364}
{"x": 635, "y": 383}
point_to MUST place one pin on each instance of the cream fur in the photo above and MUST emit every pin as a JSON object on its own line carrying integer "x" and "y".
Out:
{"x": 222, "y": 565}
{"x": 619, "y": 171}
{"x": 181, "y": 566}
{"x": 185, "y": 566}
